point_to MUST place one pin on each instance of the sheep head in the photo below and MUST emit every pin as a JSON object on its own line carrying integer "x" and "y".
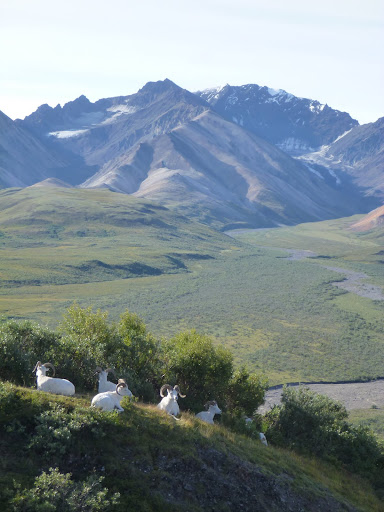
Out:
{"x": 122, "y": 388}
{"x": 213, "y": 407}
{"x": 173, "y": 392}
{"x": 43, "y": 367}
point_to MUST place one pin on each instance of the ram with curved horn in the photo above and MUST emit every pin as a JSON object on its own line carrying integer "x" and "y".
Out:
{"x": 208, "y": 415}
{"x": 110, "y": 400}
{"x": 104, "y": 383}
{"x": 169, "y": 400}
{"x": 52, "y": 384}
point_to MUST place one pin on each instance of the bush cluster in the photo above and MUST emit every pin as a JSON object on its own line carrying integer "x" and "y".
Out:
{"x": 57, "y": 492}
{"x": 85, "y": 339}
{"x": 317, "y": 425}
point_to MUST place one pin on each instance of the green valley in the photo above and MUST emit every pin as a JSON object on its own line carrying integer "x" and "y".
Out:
{"x": 280, "y": 316}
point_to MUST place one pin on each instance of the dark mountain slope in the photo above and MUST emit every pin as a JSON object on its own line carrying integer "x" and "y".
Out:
{"x": 294, "y": 124}
{"x": 24, "y": 159}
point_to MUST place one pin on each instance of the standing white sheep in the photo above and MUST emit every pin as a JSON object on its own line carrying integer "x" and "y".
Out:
{"x": 169, "y": 402}
{"x": 52, "y": 384}
{"x": 208, "y": 415}
{"x": 110, "y": 400}
{"x": 104, "y": 383}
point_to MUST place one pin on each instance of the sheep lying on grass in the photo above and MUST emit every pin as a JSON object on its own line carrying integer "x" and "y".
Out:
{"x": 110, "y": 400}
{"x": 52, "y": 384}
{"x": 208, "y": 415}
{"x": 169, "y": 401}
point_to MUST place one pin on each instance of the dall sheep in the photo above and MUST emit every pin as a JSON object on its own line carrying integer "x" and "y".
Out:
{"x": 104, "y": 383}
{"x": 110, "y": 400}
{"x": 169, "y": 401}
{"x": 208, "y": 415}
{"x": 263, "y": 439}
{"x": 52, "y": 384}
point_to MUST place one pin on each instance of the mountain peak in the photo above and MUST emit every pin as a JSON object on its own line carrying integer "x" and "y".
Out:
{"x": 159, "y": 86}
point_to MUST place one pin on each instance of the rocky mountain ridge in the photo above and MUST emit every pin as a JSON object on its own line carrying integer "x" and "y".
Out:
{"x": 295, "y": 125}
{"x": 169, "y": 145}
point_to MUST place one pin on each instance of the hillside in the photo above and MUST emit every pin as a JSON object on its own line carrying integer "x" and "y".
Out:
{"x": 158, "y": 464}
{"x": 373, "y": 221}
{"x": 66, "y": 235}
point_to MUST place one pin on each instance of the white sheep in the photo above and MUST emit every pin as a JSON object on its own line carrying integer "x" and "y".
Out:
{"x": 169, "y": 402}
{"x": 110, "y": 400}
{"x": 104, "y": 383}
{"x": 208, "y": 415}
{"x": 52, "y": 384}
{"x": 263, "y": 439}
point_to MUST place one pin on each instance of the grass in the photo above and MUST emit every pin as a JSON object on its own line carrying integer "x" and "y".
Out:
{"x": 281, "y": 317}
{"x": 148, "y": 457}
{"x": 372, "y": 418}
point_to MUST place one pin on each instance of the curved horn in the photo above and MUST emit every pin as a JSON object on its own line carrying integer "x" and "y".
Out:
{"x": 98, "y": 369}
{"x": 176, "y": 388}
{"x": 121, "y": 384}
{"x": 38, "y": 364}
{"x": 50, "y": 365}
{"x": 111, "y": 370}
{"x": 209, "y": 403}
{"x": 163, "y": 388}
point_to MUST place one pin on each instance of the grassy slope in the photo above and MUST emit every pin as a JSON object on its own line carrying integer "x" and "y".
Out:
{"x": 283, "y": 317}
{"x": 163, "y": 465}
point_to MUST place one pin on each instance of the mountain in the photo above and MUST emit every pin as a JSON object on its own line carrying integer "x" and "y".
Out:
{"x": 295, "y": 125}
{"x": 168, "y": 145}
{"x": 215, "y": 170}
{"x": 359, "y": 153}
{"x": 24, "y": 158}
{"x": 101, "y": 131}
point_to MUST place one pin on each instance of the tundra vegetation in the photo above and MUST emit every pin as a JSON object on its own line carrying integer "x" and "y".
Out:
{"x": 59, "y": 450}
{"x": 281, "y": 317}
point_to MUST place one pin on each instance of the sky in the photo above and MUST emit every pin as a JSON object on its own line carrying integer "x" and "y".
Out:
{"x": 327, "y": 50}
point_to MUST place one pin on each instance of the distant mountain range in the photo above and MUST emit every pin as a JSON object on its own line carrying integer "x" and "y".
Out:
{"x": 216, "y": 155}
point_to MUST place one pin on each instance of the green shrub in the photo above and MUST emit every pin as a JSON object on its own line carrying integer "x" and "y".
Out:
{"x": 202, "y": 370}
{"x": 140, "y": 354}
{"x": 87, "y": 341}
{"x": 57, "y": 492}
{"x": 316, "y": 424}
{"x": 246, "y": 391}
{"x": 22, "y": 344}
{"x": 57, "y": 430}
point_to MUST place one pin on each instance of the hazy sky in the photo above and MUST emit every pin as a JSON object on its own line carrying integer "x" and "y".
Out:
{"x": 52, "y": 51}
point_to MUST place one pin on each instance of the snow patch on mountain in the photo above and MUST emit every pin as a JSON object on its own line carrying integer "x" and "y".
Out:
{"x": 66, "y": 134}
{"x": 293, "y": 146}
